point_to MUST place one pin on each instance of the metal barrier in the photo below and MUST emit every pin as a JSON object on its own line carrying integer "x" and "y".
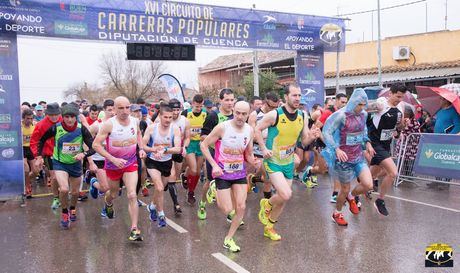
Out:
{"x": 408, "y": 150}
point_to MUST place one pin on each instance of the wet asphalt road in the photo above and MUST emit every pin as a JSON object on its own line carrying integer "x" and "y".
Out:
{"x": 32, "y": 241}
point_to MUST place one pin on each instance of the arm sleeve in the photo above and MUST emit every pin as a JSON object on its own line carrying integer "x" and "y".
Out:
{"x": 333, "y": 123}
{"x": 209, "y": 123}
{"x": 51, "y": 132}
{"x": 88, "y": 139}
{"x": 34, "y": 139}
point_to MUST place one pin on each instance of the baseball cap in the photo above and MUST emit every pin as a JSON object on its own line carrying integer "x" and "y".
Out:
{"x": 39, "y": 108}
{"x": 144, "y": 110}
{"x": 208, "y": 103}
{"x": 135, "y": 107}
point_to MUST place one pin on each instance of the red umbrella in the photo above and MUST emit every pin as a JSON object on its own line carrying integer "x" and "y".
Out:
{"x": 408, "y": 96}
{"x": 429, "y": 97}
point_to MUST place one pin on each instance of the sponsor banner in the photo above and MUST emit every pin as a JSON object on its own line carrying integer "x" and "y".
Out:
{"x": 310, "y": 77}
{"x": 438, "y": 155}
{"x": 172, "y": 86}
{"x": 12, "y": 182}
{"x": 173, "y": 23}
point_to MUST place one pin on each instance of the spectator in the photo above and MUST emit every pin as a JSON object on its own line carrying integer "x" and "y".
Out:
{"x": 447, "y": 119}
{"x": 39, "y": 114}
{"x": 411, "y": 126}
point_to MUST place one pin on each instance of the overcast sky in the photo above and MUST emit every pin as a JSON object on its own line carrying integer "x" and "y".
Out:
{"x": 49, "y": 66}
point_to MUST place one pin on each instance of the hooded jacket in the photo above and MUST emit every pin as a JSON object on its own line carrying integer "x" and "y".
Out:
{"x": 40, "y": 129}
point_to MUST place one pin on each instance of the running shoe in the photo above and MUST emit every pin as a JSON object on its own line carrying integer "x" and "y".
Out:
{"x": 211, "y": 193}
{"x": 107, "y": 211}
{"x": 380, "y": 206}
{"x": 82, "y": 197}
{"x": 147, "y": 183}
{"x": 310, "y": 184}
{"x": 264, "y": 211}
{"x": 202, "y": 210}
{"x": 231, "y": 245}
{"x": 338, "y": 218}
{"x": 334, "y": 198}
{"x": 251, "y": 184}
{"x": 153, "y": 214}
{"x": 306, "y": 175}
{"x": 161, "y": 221}
{"x": 140, "y": 203}
{"x": 270, "y": 232}
{"x": 230, "y": 218}
{"x": 358, "y": 202}
{"x": 28, "y": 192}
{"x": 375, "y": 185}
{"x": 177, "y": 210}
{"x": 314, "y": 179}
{"x": 93, "y": 190}
{"x": 56, "y": 203}
{"x": 145, "y": 192}
{"x": 191, "y": 198}
{"x": 183, "y": 180}
{"x": 73, "y": 215}
{"x": 353, "y": 206}
{"x": 135, "y": 235}
{"x": 65, "y": 223}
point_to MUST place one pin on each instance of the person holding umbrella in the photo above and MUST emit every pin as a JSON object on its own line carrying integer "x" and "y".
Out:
{"x": 447, "y": 119}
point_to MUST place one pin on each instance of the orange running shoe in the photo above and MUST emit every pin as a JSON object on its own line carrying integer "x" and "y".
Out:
{"x": 353, "y": 206}
{"x": 338, "y": 218}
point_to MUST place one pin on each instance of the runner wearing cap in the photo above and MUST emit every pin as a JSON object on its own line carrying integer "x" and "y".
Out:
{"x": 69, "y": 136}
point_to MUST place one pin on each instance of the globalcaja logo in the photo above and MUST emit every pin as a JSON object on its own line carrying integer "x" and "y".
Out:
{"x": 310, "y": 76}
{"x": 5, "y": 77}
{"x": 429, "y": 153}
{"x": 440, "y": 156}
{"x": 268, "y": 41}
{"x": 70, "y": 28}
{"x": 8, "y": 139}
{"x": 330, "y": 34}
{"x": 439, "y": 255}
{"x": 270, "y": 22}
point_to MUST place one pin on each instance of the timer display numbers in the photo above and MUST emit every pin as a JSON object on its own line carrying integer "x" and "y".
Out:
{"x": 160, "y": 52}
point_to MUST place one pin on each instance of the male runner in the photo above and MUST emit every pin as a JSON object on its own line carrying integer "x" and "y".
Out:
{"x": 184, "y": 127}
{"x": 161, "y": 140}
{"x": 345, "y": 134}
{"x": 224, "y": 113}
{"x": 99, "y": 184}
{"x": 382, "y": 129}
{"x": 233, "y": 145}
{"x": 27, "y": 127}
{"x": 121, "y": 134}
{"x": 69, "y": 136}
{"x": 285, "y": 125}
{"x": 53, "y": 116}
{"x": 270, "y": 103}
{"x": 196, "y": 116}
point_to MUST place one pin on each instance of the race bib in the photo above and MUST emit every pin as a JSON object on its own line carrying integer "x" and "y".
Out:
{"x": 286, "y": 151}
{"x": 70, "y": 148}
{"x": 386, "y": 134}
{"x": 196, "y": 131}
{"x": 230, "y": 167}
{"x": 354, "y": 138}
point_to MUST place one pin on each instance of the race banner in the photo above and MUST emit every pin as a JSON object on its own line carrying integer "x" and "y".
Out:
{"x": 310, "y": 77}
{"x": 173, "y": 23}
{"x": 11, "y": 158}
{"x": 173, "y": 87}
{"x": 438, "y": 155}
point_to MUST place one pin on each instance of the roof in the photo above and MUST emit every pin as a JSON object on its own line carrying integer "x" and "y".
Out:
{"x": 390, "y": 76}
{"x": 244, "y": 59}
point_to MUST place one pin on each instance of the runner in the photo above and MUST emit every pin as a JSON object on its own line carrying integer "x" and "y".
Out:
{"x": 69, "y": 136}
{"x": 196, "y": 116}
{"x": 122, "y": 135}
{"x": 53, "y": 116}
{"x": 233, "y": 140}
{"x": 345, "y": 134}
{"x": 285, "y": 125}
{"x": 224, "y": 113}
{"x": 382, "y": 128}
{"x": 99, "y": 184}
{"x": 161, "y": 140}
{"x": 270, "y": 103}
{"x": 340, "y": 101}
{"x": 184, "y": 126}
{"x": 27, "y": 127}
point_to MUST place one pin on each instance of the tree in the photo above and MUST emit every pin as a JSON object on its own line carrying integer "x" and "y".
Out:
{"x": 267, "y": 82}
{"x": 132, "y": 79}
{"x": 94, "y": 94}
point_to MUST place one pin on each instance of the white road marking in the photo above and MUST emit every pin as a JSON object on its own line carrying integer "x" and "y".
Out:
{"x": 231, "y": 264}
{"x": 175, "y": 226}
{"x": 420, "y": 203}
